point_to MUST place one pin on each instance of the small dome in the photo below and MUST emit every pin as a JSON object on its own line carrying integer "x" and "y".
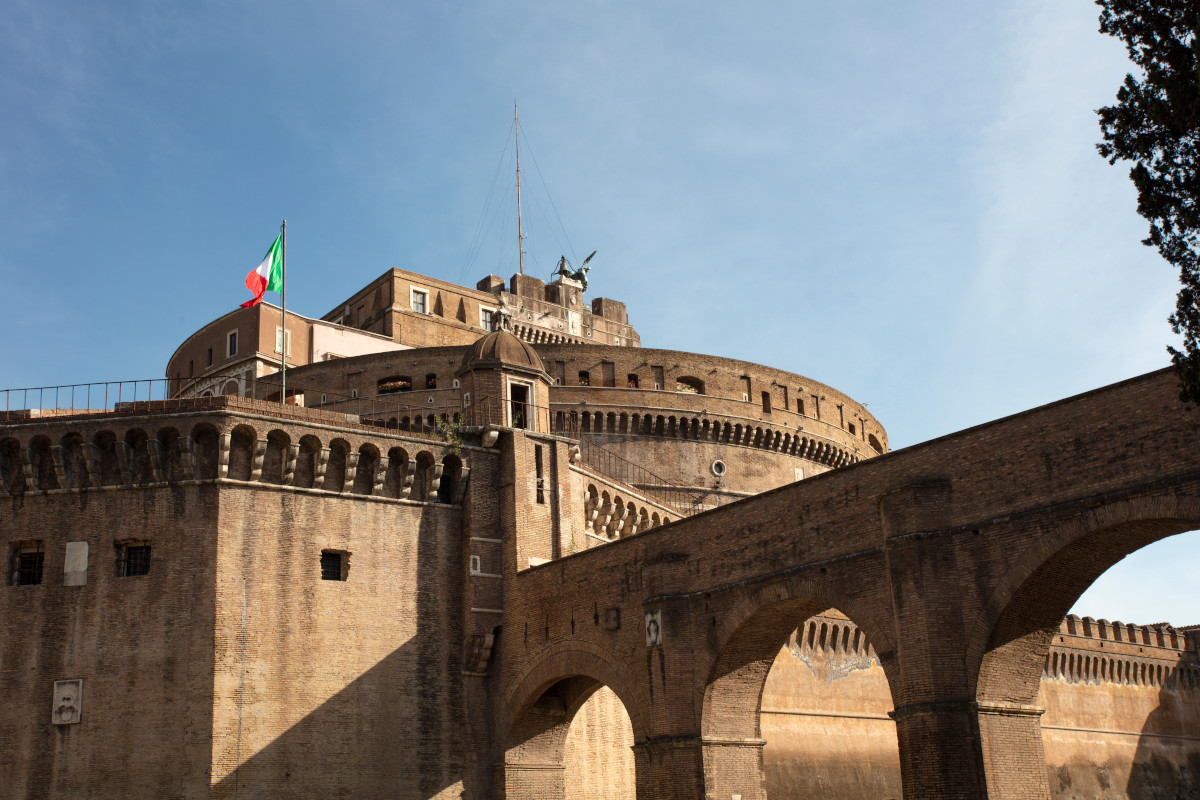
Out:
{"x": 501, "y": 348}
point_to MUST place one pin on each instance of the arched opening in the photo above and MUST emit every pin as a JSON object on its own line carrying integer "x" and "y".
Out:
{"x": 574, "y": 740}
{"x": 11, "y": 472}
{"x": 1046, "y": 687}
{"x": 306, "y": 462}
{"x": 171, "y": 461}
{"x": 241, "y": 452}
{"x": 422, "y": 477}
{"x": 874, "y": 443}
{"x": 368, "y": 462}
{"x": 74, "y": 462}
{"x": 689, "y": 385}
{"x": 397, "y": 473}
{"x": 43, "y": 463}
{"x": 207, "y": 449}
{"x": 139, "y": 455}
{"x": 335, "y": 468}
{"x": 275, "y": 457}
{"x": 451, "y": 470}
{"x": 804, "y": 707}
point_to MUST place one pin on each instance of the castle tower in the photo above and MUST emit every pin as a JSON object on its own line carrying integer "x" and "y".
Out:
{"x": 503, "y": 382}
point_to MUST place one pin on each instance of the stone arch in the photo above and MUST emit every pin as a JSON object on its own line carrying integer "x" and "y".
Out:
{"x": 12, "y": 475}
{"x": 538, "y": 713}
{"x": 335, "y": 469}
{"x": 1011, "y": 638}
{"x": 207, "y": 447}
{"x": 611, "y": 422}
{"x": 241, "y": 452}
{"x": 41, "y": 460}
{"x": 421, "y": 480}
{"x": 108, "y": 467}
{"x": 874, "y": 443}
{"x": 275, "y": 457}
{"x": 74, "y": 462}
{"x": 623, "y": 426}
{"x": 393, "y": 480}
{"x": 451, "y": 474}
{"x": 306, "y": 461}
{"x": 748, "y": 640}
{"x": 368, "y": 462}
{"x": 138, "y": 442}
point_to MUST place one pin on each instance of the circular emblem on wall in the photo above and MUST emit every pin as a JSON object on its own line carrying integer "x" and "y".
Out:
{"x": 718, "y": 468}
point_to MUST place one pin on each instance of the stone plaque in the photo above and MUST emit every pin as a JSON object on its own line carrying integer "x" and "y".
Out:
{"x": 653, "y": 628}
{"x": 68, "y": 702}
{"x": 75, "y": 565}
{"x": 612, "y": 618}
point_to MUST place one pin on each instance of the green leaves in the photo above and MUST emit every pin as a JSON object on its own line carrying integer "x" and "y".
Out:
{"x": 1155, "y": 125}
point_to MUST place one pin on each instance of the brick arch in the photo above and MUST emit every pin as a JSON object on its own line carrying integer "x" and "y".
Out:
{"x": 307, "y": 460}
{"x": 1051, "y": 575}
{"x": 568, "y": 660}
{"x": 749, "y": 637}
{"x": 241, "y": 452}
{"x": 207, "y": 443}
{"x": 1012, "y": 637}
{"x": 276, "y": 456}
{"x": 539, "y": 713}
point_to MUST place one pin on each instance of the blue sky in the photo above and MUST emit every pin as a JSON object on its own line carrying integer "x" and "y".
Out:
{"x": 900, "y": 200}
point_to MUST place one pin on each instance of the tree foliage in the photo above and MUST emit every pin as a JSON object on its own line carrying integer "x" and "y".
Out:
{"x": 1155, "y": 125}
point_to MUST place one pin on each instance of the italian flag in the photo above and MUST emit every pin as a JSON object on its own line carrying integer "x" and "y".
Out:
{"x": 267, "y": 275}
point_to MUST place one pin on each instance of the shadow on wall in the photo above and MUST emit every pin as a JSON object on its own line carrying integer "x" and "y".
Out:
{"x": 1168, "y": 768}
{"x": 393, "y": 731}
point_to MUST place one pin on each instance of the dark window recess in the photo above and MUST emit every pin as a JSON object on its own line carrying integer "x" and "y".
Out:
{"x": 799, "y": 406}
{"x": 632, "y": 381}
{"x": 393, "y": 384}
{"x": 210, "y": 356}
{"x": 431, "y": 381}
{"x": 766, "y": 400}
{"x": 191, "y": 368}
{"x": 232, "y": 348}
{"x": 133, "y": 560}
{"x": 541, "y": 479}
{"x": 27, "y": 562}
{"x": 584, "y": 378}
{"x": 332, "y": 566}
{"x": 519, "y": 402}
{"x": 852, "y": 428}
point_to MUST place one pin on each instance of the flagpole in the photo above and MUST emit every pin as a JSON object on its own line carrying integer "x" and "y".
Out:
{"x": 283, "y": 337}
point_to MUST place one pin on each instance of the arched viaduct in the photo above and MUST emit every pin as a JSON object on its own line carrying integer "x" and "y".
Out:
{"x": 958, "y": 559}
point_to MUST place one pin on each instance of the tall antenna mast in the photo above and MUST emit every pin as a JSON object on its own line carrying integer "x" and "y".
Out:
{"x": 520, "y": 235}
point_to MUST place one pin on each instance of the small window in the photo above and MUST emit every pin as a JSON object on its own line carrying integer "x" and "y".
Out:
{"x": 419, "y": 300}
{"x": 354, "y": 393}
{"x": 584, "y": 378}
{"x": 851, "y": 427}
{"x": 631, "y": 381}
{"x": 539, "y": 473}
{"x": 133, "y": 559}
{"x": 431, "y": 381}
{"x": 689, "y": 385}
{"x": 26, "y": 563}
{"x": 231, "y": 344}
{"x": 799, "y": 406}
{"x": 279, "y": 337}
{"x": 334, "y": 565}
{"x": 466, "y": 400}
{"x": 393, "y": 384}
{"x": 210, "y": 356}
{"x": 486, "y": 317}
{"x": 766, "y": 402}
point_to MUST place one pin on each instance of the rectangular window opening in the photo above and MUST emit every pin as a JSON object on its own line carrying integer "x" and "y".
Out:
{"x": 584, "y": 378}
{"x": 210, "y": 357}
{"x": 541, "y": 479}
{"x": 334, "y": 565}
{"x": 27, "y": 560}
{"x": 133, "y": 559}
{"x": 766, "y": 402}
{"x": 632, "y": 381}
{"x": 279, "y": 340}
{"x": 231, "y": 344}
{"x": 419, "y": 301}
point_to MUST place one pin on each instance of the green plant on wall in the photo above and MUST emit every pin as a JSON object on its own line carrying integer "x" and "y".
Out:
{"x": 450, "y": 432}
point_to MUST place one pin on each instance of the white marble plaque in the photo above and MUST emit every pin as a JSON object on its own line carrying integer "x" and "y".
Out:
{"x": 75, "y": 565}
{"x": 68, "y": 702}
